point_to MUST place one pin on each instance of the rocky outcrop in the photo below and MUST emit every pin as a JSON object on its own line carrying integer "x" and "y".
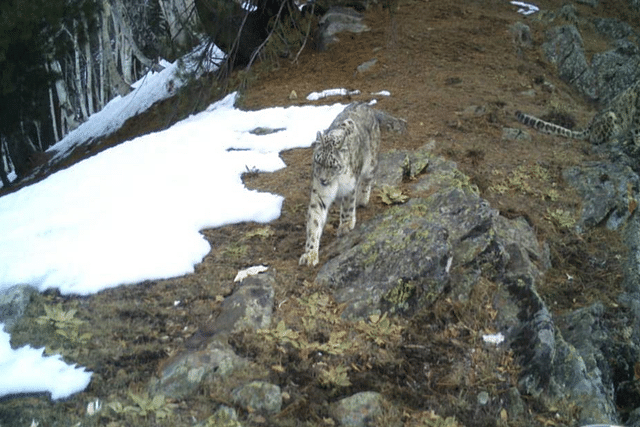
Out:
{"x": 587, "y": 356}
{"x": 337, "y": 20}
{"x": 208, "y": 357}
{"x": 608, "y": 72}
{"x": 439, "y": 244}
{"x": 608, "y": 192}
{"x": 13, "y": 303}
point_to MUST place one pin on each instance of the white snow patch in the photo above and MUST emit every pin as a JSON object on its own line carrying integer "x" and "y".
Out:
{"x": 493, "y": 338}
{"x": 250, "y": 271}
{"x": 525, "y": 8}
{"x": 134, "y": 212}
{"x": 314, "y": 96}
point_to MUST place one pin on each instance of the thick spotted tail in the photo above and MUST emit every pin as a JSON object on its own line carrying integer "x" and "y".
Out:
{"x": 549, "y": 128}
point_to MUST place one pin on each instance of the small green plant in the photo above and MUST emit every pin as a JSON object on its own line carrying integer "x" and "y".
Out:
{"x": 561, "y": 217}
{"x": 392, "y": 195}
{"x": 335, "y": 376}
{"x": 533, "y": 180}
{"x": 143, "y": 406}
{"x": 64, "y": 323}
{"x": 379, "y": 329}
{"x": 431, "y": 419}
{"x": 261, "y": 232}
{"x": 235, "y": 250}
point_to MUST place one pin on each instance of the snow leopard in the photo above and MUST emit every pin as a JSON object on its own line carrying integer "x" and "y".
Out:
{"x": 345, "y": 158}
{"x": 620, "y": 116}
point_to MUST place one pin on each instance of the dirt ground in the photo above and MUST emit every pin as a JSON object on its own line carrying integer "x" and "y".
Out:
{"x": 457, "y": 76}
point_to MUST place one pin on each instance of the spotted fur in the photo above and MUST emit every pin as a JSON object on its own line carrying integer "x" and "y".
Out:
{"x": 620, "y": 116}
{"x": 345, "y": 158}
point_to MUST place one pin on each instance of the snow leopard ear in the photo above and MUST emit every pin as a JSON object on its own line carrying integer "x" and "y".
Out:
{"x": 318, "y": 141}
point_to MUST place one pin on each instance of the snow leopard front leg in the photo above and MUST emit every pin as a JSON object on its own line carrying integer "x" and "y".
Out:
{"x": 321, "y": 199}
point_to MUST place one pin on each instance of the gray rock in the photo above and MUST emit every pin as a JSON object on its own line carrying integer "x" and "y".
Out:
{"x": 208, "y": 356}
{"x": 13, "y": 303}
{"x": 483, "y": 398}
{"x": 632, "y": 267}
{"x": 609, "y": 73}
{"x": 223, "y": 417}
{"x": 568, "y": 12}
{"x": 515, "y": 134}
{"x": 185, "y": 373}
{"x": 616, "y": 70}
{"x": 407, "y": 251}
{"x": 249, "y": 307}
{"x": 259, "y": 396}
{"x": 515, "y": 408}
{"x": 554, "y": 370}
{"x": 613, "y": 28}
{"x": 260, "y": 130}
{"x": 521, "y": 35}
{"x": 607, "y": 193}
{"x": 396, "y": 166}
{"x": 366, "y": 66}
{"x": 336, "y": 20}
{"x": 393, "y": 167}
{"x": 584, "y": 330}
{"x": 564, "y": 48}
{"x": 359, "y": 410}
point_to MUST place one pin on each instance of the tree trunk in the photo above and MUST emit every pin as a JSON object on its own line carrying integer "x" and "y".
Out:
{"x": 114, "y": 77}
{"x": 21, "y": 153}
{"x": 80, "y": 89}
{"x": 68, "y": 121}
{"x": 131, "y": 46}
{"x": 181, "y": 17}
{"x": 103, "y": 72}
{"x": 54, "y": 121}
{"x": 38, "y": 126}
{"x": 89, "y": 67}
{"x": 4, "y": 163}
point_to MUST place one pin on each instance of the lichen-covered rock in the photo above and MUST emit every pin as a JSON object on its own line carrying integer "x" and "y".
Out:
{"x": 336, "y": 20}
{"x": 564, "y": 48}
{"x": 608, "y": 192}
{"x": 223, "y": 417}
{"x": 13, "y": 303}
{"x": 440, "y": 243}
{"x": 250, "y": 306}
{"x": 184, "y": 373}
{"x": 409, "y": 249}
{"x": 209, "y": 356}
{"x": 359, "y": 410}
{"x": 259, "y": 396}
{"x": 608, "y": 73}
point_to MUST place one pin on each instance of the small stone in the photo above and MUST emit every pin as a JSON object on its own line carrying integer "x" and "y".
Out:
{"x": 13, "y": 303}
{"x": 515, "y": 134}
{"x": 366, "y": 66}
{"x": 358, "y": 410}
{"x": 530, "y": 93}
{"x": 259, "y": 396}
{"x": 293, "y": 95}
{"x": 483, "y": 398}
